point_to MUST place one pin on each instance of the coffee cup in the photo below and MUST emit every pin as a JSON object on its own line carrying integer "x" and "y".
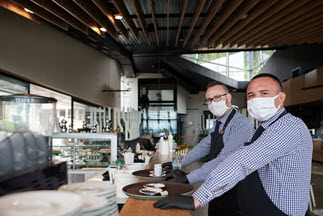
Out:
{"x": 158, "y": 170}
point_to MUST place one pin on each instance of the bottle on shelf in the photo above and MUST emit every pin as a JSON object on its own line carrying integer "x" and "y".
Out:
{"x": 170, "y": 141}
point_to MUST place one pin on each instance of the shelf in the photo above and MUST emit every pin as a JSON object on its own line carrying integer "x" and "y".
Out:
{"x": 98, "y": 165}
{"x": 82, "y": 146}
{"x": 86, "y": 136}
{"x": 161, "y": 119}
{"x": 77, "y": 155}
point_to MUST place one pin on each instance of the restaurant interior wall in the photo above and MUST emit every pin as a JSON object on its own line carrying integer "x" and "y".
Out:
{"x": 304, "y": 57}
{"x": 40, "y": 53}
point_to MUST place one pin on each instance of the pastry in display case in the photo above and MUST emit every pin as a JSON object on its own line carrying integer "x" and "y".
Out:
{"x": 85, "y": 150}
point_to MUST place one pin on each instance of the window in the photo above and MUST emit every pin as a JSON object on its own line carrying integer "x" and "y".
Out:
{"x": 9, "y": 86}
{"x": 63, "y": 105}
{"x": 157, "y": 101}
{"x": 241, "y": 66}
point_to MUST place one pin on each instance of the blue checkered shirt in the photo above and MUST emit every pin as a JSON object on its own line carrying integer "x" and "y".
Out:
{"x": 282, "y": 156}
{"x": 236, "y": 134}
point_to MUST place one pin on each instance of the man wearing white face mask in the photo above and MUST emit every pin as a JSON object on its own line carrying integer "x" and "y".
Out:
{"x": 272, "y": 171}
{"x": 228, "y": 134}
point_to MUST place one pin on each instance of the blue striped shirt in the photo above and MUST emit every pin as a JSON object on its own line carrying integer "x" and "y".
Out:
{"x": 282, "y": 156}
{"x": 236, "y": 134}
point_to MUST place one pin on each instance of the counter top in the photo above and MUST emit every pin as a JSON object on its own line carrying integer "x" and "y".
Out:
{"x": 135, "y": 207}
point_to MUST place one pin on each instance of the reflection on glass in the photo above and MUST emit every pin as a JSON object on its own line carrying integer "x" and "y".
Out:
{"x": 63, "y": 105}
{"x": 236, "y": 65}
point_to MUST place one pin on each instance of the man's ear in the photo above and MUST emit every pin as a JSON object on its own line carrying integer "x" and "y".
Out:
{"x": 281, "y": 99}
{"x": 229, "y": 97}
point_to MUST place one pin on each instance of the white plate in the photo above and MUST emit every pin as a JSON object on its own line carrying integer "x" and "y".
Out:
{"x": 150, "y": 191}
{"x": 93, "y": 204}
{"x": 152, "y": 175}
{"x": 91, "y": 188}
{"x": 155, "y": 185}
{"x": 41, "y": 203}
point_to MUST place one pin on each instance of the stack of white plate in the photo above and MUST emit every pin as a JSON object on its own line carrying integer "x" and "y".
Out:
{"x": 100, "y": 190}
{"x": 41, "y": 203}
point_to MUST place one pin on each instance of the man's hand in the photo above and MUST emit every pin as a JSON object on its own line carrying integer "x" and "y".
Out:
{"x": 169, "y": 165}
{"x": 177, "y": 201}
{"x": 177, "y": 176}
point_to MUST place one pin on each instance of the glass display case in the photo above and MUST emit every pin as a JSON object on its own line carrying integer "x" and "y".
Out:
{"x": 85, "y": 150}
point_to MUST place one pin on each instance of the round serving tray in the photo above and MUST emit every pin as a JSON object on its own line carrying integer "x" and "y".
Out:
{"x": 144, "y": 175}
{"x": 172, "y": 188}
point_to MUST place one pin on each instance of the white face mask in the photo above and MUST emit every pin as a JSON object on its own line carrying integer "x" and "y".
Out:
{"x": 218, "y": 108}
{"x": 262, "y": 109}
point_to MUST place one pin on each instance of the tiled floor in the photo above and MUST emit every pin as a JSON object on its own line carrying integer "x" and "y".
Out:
{"x": 317, "y": 184}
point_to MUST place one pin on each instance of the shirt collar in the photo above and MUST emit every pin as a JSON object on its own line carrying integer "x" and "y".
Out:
{"x": 225, "y": 117}
{"x": 272, "y": 119}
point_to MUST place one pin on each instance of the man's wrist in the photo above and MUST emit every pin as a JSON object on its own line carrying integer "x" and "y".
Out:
{"x": 196, "y": 203}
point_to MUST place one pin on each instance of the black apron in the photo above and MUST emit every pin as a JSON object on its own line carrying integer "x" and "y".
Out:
{"x": 253, "y": 199}
{"x": 227, "y": 202}
{"x": 250, "y": 194}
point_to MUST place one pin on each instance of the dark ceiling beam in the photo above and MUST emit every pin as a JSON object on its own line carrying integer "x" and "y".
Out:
{"x": 39, "y": 11}
{"x": 152, "y": 10}
{"x": 183, "y": 9}
{"x": 290, "y": 32}
{"x": 126, "y": 17}
{"x": 198, "y": 9}
{"x": 18, "y": 10}
{"x": 300, "y": 32}
{"x": 281, "y": 4}
{"x": 151, "y": 28}
{"x": 142, "y": 23}
{"x": 275, "y": 18}
{"x": 108, "y": 12}
{"x": 79, "y": 14}
{"x": 253, "y": 14}
{"x": 284, "y": 38}
{"x": 241, "y": 11}
{"x": 313, "y": 38}
{"x": 212, "y": 10}
{"x": 219, "y": 19}
{"x": 168, "y": 1}
{"x": 171, "y": 15}
{"x": 90, "y": 8}
{"x": 56, "y": 10}
{"x": 281, "y": 20}
{"x": 292, "y": 26}
{"x": 309, "y": 37}
{"x": 176, "y": 51}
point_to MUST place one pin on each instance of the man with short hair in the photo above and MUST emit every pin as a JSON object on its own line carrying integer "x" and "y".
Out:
{"x": 272, "y": 172}
{"x": 228, "y": 134}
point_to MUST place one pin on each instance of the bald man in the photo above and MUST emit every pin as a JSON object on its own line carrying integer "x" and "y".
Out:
{"x": 272, "y": 171}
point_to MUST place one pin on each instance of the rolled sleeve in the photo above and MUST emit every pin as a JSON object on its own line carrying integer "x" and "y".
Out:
{"x": 199, "y": 151}
{"x": 236, "y": 137}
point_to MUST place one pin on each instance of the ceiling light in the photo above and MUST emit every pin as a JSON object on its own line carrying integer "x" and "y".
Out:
{"x": 29, "y": 11}
{"x": 244, "y": 16}
{"x": 118, "y": 16}
{"x": 103, "y": 29}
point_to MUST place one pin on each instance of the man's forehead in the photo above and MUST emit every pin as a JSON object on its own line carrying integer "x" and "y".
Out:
{"x": 262, "y": 84}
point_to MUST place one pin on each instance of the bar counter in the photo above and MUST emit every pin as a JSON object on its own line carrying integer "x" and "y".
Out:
{"x": 135, "y": 207}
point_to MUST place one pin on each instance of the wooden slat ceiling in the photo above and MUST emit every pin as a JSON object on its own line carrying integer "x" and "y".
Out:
{"x": 151, "y": 26}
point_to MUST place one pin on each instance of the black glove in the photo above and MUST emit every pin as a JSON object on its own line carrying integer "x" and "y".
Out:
{"x": 177, "y": 201}
{"x": 169, "y": 165}
{"x": 177, "y": 176}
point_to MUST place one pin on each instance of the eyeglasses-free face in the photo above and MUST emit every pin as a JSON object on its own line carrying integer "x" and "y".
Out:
{"x": 216, "y": 98}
